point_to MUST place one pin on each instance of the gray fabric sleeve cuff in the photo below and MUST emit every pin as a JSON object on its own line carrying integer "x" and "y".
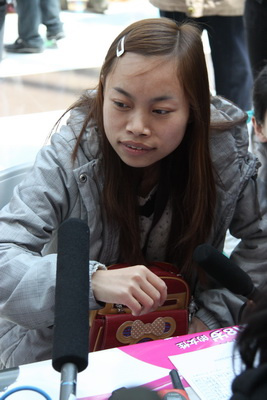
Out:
{"x": 93, "y": 303}
{"x": 207, "y": 318}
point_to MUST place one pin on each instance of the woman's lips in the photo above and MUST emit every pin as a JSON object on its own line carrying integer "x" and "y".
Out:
{"x": 136, "y": 147}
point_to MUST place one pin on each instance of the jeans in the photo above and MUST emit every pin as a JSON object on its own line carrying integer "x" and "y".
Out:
{"x": 255, "y": 18}
{"x": 232, "y": 72}
{"x": 32, "y": 13}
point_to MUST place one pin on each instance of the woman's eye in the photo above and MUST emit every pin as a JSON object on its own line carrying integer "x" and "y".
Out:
{"x": 120, "y": 104}
{"x": 161, "y": 112}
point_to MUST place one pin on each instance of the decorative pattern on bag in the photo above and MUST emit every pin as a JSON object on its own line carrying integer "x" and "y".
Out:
{"x": 114, "y": 325}
{"x": 132, "y": 332}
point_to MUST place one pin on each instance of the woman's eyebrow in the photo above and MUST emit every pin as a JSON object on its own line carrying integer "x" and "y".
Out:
{"x": 122, "y": 91}
{"x": 162, "y": 98}
{"x": 154, "y": 99}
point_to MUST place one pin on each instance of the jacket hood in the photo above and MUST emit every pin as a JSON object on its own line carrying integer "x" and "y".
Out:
{"x": 223, "y": 110}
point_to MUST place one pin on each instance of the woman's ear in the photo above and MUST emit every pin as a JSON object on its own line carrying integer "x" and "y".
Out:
{"x": 258, "y": 129}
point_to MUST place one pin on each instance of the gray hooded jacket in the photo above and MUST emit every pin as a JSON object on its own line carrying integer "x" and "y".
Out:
{"x": 55, "y": 190}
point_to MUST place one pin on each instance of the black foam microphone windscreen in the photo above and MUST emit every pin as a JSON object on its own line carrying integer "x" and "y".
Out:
{"x": 71, "y": 327}
{"x": 224, "y": 271}
{"x": 135, "y": 393}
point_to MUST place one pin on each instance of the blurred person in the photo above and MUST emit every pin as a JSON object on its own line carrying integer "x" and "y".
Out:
{"x": 31, "y": 14}
{"x": 225, "y": 27}
{"x": 259, "y": 118}
{"x": 255, "y": 17}
{"x": 259, "y": 136}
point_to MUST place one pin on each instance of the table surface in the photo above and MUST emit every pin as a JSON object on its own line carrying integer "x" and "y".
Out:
{"x": 145, "y": 364}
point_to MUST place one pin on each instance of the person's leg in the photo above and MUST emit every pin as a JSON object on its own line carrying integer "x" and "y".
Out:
{"x": 29, "y": 19}
{"x": 50, "y": 10}
{"x": 175, "y": 15}
{"x": 233, "y": 78}
{"x": 2, "y": 25}
{"x": 29, "y": 40}
{"x": 255, "y": 17}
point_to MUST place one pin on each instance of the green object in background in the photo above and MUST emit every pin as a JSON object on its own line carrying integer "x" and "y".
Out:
{"x": 50, "y": 44}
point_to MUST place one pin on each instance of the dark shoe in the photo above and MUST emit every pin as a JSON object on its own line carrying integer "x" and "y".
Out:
{"x": 22, "y": 47}
{"x": 55, "y": 36}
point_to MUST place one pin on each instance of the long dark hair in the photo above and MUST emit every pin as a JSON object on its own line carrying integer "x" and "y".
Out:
{"x": 252, "y": 339}
{"x": 187, "y": 173}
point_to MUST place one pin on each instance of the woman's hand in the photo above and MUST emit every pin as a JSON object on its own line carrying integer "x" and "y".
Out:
{"x": 135, "y": 287}
{"x": 197, "y": 326}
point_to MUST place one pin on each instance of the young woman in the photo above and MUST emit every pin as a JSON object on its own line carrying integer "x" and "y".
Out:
{"x": 155, "y": 168}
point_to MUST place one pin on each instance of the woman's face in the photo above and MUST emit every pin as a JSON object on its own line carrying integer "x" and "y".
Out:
{"x": 145, "y": 109}
{"x": 261, "y": 129}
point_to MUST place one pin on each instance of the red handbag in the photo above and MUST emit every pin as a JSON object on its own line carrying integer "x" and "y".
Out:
{"x": 115, "y": 326}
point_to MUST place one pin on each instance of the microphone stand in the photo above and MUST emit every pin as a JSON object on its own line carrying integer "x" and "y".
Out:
{"x": 68, "y": 382}
{"x": 71, "y": 328}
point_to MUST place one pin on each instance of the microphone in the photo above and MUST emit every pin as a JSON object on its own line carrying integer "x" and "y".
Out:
{"x": 71, "y": 328}
{"x": 142, "y": 393}
{"x": 223, "y": 270}
{"x": 134, "y": 393}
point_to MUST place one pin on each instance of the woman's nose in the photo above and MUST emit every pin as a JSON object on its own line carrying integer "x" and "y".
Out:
{"x": 138, "y": 124}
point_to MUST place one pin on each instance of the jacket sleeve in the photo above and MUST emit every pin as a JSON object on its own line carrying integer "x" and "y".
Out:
{"x": 219, "y": 307}
{"x": 28, "y": 224}
{"x": 238, "y": 210}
